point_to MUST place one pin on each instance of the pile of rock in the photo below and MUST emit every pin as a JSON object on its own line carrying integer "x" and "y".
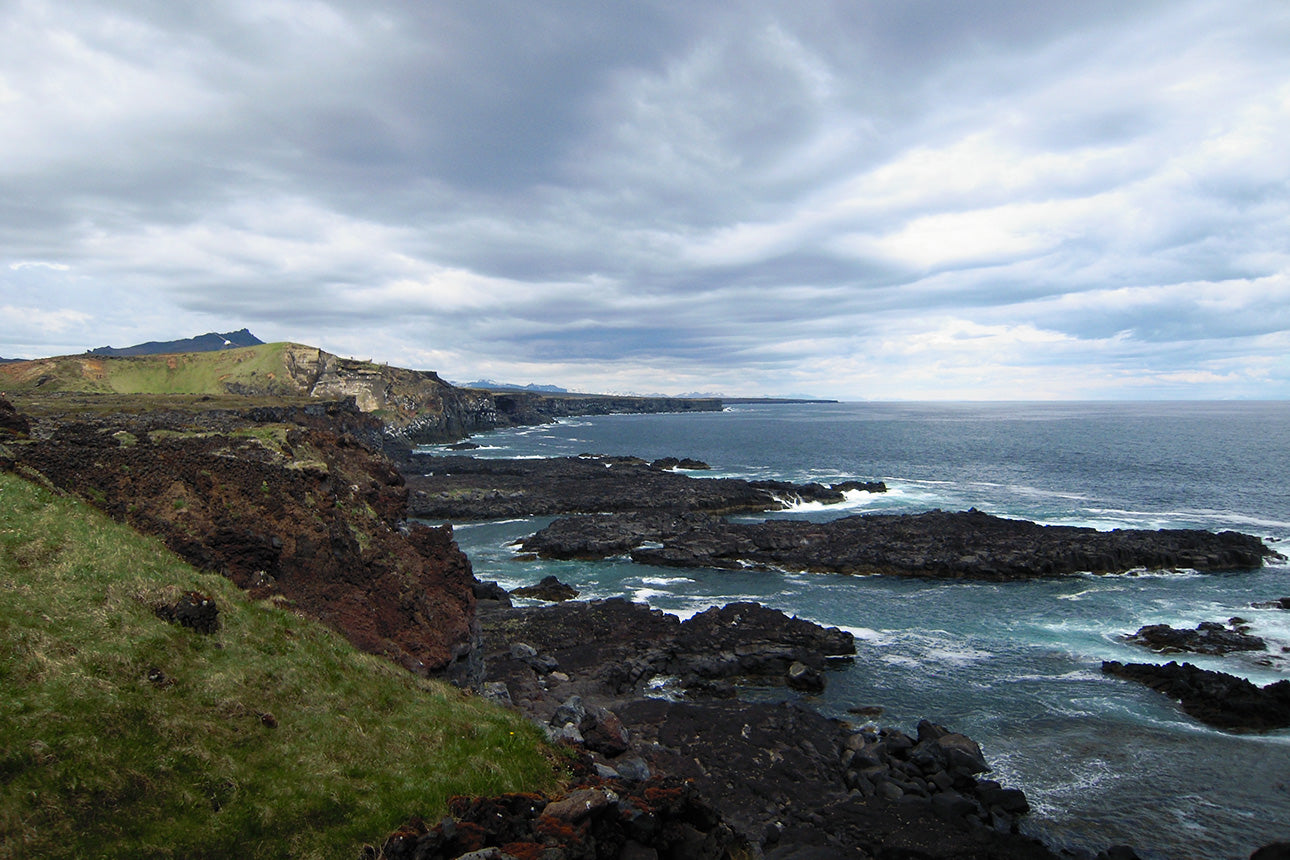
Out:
{"x": 939, "y": 765}
{"x": 665, "y": 820}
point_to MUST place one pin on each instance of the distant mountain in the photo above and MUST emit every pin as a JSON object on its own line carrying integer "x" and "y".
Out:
{"x": 493, "y": 385}
{"x": 210, "y": 342}
{"x": 10, "y": 360}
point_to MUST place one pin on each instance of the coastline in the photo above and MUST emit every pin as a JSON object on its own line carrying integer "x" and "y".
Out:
{"x": 314, "y": 452}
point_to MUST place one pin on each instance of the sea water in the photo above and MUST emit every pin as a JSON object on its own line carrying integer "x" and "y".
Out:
{"x": 1014, "y": 665}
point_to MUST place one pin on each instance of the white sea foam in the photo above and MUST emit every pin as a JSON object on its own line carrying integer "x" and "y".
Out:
{"x": 471, "y": 524}
{"x": 902, "y": 660}
{"x": 643, "y": 595}
{"x": 1080, "y": 595}
{"x": 962, "y": 655}
{"x": 868, "y": 634}
{"x": 1081, "y": 675}
{"x": 665, "y": 580}
{"x": 850, "y": 499}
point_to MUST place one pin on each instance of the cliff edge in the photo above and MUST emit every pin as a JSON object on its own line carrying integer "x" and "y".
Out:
{"x": 415, "y": 406}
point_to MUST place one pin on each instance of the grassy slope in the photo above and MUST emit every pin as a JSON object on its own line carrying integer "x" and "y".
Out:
{"x": 187, "y": 373}
{"x": 98, "y": 760}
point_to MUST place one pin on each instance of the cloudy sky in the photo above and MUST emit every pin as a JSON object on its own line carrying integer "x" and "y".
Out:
{"x": 860, "y": 199}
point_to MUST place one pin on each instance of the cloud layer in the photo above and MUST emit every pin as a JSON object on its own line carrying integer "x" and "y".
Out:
{"x": 987, "y": 199}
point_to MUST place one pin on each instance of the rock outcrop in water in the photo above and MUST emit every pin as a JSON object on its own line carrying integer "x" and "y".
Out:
{"x": 1215, "y": 698}
{"x": 473, "y": 488}
{"x": 1209, "y": 637}
{"x": 936, "y": 544}
{"x": 646, "y": 694}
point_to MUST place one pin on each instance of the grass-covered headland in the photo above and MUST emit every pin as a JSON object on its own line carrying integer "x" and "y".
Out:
{"x": 123, "y": 735}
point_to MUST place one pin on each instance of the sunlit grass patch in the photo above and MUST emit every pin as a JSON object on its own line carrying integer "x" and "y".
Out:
{"x": 122, "y": 735}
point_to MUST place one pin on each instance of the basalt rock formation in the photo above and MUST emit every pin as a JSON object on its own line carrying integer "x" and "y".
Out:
{"x": 644, "y": 694}
{"x": 476, "y": 488}
{"x": 285, "y": 501}
{"x": 595, "y": 820}
{"x": 1215, "y": 698}
{"x": 1209, "y": 637}
{"x": 936, "y": 544}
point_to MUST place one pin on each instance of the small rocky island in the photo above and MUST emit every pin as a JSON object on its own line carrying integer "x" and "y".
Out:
{"x": 456, "y": 487}
{"x": 935, "y": 544}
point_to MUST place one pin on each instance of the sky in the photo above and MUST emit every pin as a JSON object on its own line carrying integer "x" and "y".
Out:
{"x": 859, "y": 199}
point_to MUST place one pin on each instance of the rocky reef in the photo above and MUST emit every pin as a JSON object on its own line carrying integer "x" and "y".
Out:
{"x": 644, "y": 695}
{"x": 936, "y": 544}
{"x": 1209, "y": 637}
{"x": 1215, "y": 698}
{"x": 474, "y": 488}
{"x": 523, "y": 407}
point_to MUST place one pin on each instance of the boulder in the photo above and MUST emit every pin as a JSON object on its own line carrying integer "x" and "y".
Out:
{"x": 549, "y": 589}
{"x": 194, "y": 610}
{"x": 804, "y": 678}
{"x": 12, "y": 422}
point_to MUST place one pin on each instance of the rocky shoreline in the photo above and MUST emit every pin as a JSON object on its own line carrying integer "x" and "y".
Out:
{"x": 936, "y": 544}
{"x": 645, "y": 695}
{"x": 298, "y": 504}
{"x": 464, "y": 488}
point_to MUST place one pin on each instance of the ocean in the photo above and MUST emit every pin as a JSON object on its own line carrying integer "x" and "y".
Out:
{"x": 1016, "y": 666}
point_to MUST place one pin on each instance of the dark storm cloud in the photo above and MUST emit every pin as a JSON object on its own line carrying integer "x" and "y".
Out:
{"x": 866, "y": 199}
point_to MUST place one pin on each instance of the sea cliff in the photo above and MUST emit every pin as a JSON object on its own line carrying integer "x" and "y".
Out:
{"x": 414, "y": 406}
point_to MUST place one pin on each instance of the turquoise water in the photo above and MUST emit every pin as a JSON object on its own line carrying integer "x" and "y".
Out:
{"x": 1014, "y": 665}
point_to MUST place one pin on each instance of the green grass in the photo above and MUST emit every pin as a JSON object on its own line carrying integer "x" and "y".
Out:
{"x": 270, "y": 738}
{"x": 202, "y": 372}
{"x": 261, "y": 369}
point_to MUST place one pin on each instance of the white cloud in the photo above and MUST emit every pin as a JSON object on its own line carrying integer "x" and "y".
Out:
{"x": 38, "y": 264}
{"x": 1084, "y": 200}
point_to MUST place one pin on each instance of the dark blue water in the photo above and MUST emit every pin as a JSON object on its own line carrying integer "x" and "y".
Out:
{"x": 1015, "y": 665}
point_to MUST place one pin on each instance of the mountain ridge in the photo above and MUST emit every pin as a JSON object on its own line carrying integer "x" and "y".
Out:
{"x": 209, "y": 342}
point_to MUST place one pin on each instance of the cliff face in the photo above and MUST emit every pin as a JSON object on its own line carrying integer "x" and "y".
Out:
{"x": 287, "y": 503}
{"x": 413, "y": 404}
{"x": 521, "y": 408}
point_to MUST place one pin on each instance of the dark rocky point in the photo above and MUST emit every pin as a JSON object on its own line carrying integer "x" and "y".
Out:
{"x": 683, "y": 463}
{"x": 474, "y": 488}
{"x": 1215, "y": 698}
{"x": 643, "y": 694}
{"x": 936, "y": 544}
{"x": 1208, "y": 638}
{"x": 862, "y": 486}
